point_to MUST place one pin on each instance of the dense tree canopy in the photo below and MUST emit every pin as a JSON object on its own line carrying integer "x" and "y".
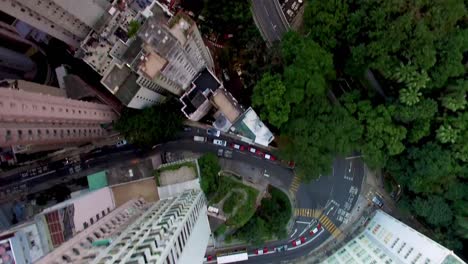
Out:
{"x": 151, "y": 125}
{"x": 411, "y": 121}
{"x": 209, "y": 169}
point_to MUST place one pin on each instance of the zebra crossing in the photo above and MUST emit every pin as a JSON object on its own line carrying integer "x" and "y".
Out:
{"x": 323, "y": 219}
{"x": 306, "y": 212}
{"x": 295, "y": 185}
{"x": 330, "y": 226}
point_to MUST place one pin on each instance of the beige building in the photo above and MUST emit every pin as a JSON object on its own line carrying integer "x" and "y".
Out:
{"x": 67, "y": 20}
{"x": 38, "y": 115}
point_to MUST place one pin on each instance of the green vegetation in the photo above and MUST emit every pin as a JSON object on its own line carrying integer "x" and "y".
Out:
{"x": 133, "y": 28}
{"x": 177, "y": 166}
{"x": 220, "y": 230}
{"x": 209, "y": 169}
{"x": 150, "y": 126}
{"x": 414, "y": 125}
{"x": 231, "y": 202}
{"x": 269, "y": 221}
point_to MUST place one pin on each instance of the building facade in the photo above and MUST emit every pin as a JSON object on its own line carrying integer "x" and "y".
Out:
{"x": 67, "y": 20}
{"x": 86, "y": 245}
{"x": 173, "y": 230}
{"x": 32, "y": 114}
{"x": 387, "y": 240}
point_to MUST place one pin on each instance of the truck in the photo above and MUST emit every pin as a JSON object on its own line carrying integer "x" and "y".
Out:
{"x": 199, "y": 139}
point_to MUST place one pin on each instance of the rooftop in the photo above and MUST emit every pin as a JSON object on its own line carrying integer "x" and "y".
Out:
{"x": 250, "y": 126}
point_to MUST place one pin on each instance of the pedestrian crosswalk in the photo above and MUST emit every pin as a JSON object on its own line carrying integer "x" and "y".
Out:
{"x": 295, "y": 185}
{"x": 330, "y": 226}
{"x": 306, "y": 212}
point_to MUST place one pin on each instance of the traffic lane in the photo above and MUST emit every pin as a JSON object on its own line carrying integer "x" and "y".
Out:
{"x": 269, "y": 20}
{"x": 285, "y": 175}
{"x": 291, "y": 253}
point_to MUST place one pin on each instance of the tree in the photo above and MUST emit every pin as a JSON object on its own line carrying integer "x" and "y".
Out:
{"x": 434, "y": 209}
{"x": 133, "y": 28}
{"x": 151, "y": 125}
{"x": 454, "y": 98}
{"x": 382, "y": 137}
{"x": 269, "y": 96}
{"x": 446, "y": 134}
{"x": 325, "y": 20}
{"x": 209, "y": 169}
{"x": 317, "y": 133}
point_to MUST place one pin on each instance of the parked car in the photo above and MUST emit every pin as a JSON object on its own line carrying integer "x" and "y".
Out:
{"x": 299, "y": 241}
{"x": 260, "y": 153}
{"x": 220, "y": 152}
{"x": 377, "y": 200}
{"x": 270, "y": 157}
{"x": 199, "y": 139}
{"x": 220, "y": 142}
{"x": 237, "y": 146}
{"x": 281, "y": 248}
{"x": 213, "y": 132}
{"x": 228, "y": 154}
{"x": 121, "y": 143}
{"x": 252, "y": 150}
{"x": 187, "y": 129}
{"x": 261, "y": 251}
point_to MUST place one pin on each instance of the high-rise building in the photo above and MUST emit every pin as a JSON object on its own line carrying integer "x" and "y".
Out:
{"x": 173, "y": 230}
{"x": 67, "y": 20}
{"x": 21, "y": 58}
{"x": 387, "y": 240}
{"x": 41, "y": 116}
{"x": 158, "y": 59}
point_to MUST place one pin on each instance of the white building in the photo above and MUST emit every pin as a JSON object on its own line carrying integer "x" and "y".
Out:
{"x": 174, "y": 230}
{"x": 387, "y": 240}
{"x": 67, "y": 20}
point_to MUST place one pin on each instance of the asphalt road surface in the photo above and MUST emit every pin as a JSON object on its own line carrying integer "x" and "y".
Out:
{"x": 327, "y": 200}
{"x": 268, "y": 20}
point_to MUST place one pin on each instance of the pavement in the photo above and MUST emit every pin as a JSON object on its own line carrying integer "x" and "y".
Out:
{"x": 269, "y": 19}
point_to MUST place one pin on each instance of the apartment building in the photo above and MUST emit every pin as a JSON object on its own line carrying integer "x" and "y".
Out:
{"x": 38, "y": 115}
{"x": 172, "y": 230}
{"x": 67, "y": 20}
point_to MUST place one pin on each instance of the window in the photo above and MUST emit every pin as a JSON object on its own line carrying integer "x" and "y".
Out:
{"x": 85, "y": 225}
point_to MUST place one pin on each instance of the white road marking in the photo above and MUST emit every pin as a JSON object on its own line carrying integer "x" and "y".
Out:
{"x": 294, "y": 232}
{"x": 307, "y": 242}
{"x": 302, "y": 222}
{"x": 353, "y": 157}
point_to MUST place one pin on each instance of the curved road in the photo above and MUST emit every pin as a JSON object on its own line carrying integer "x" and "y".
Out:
{"x": 327, "y": 200}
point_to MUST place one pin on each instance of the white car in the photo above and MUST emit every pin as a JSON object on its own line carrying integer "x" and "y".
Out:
{"x": 220, "y": 142}
{"x": 253, "y": 150}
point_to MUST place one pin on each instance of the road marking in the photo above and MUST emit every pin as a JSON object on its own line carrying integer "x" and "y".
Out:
{"x": 307, "y": 212}
{"x": 353, "y": 157}
{"x": 295, "y": 185}
{"x": 302, "y": 222}
{"x": 295, "y": 231}
{"x": 330, "y": 226}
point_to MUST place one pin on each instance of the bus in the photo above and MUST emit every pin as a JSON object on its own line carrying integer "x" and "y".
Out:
{"x": 232, "y": 256}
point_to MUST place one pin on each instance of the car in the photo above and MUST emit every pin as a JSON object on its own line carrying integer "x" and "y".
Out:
{"x": 281, "y": 248}
{"x": 252, "y": 150}
{"x": 270, "y": 157}
{"x": 261, "y": 251}
{"x": 209, "y": 258}
{"x": 237, "y": 146}
{"x": 291, "y": 164}
{"x": 260, "y": 153}
{"x": 315, "y": 230}
{"x": 213, "y": 132}
{"x": 187, "y": 129}
{"x": 121, "y": 143}
{"x": 220, "y": 142}
{"x": 299, "y": 241}
{"x": 220, "y": 152}
{"x": 228, "y": 154}
{"x": 377, "y": 200}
